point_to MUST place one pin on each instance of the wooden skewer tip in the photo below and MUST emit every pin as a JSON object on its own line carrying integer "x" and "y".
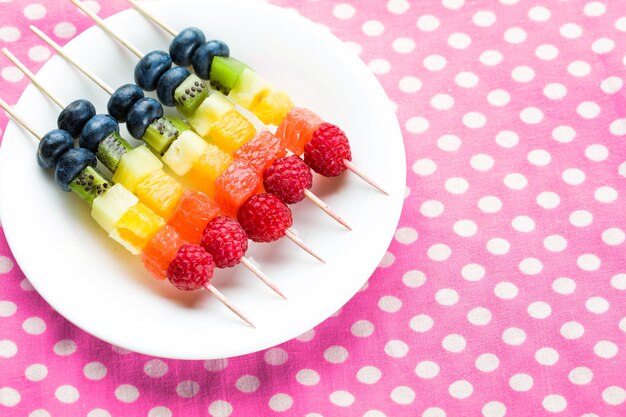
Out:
{"x": 326, "y": 208}
{"x": 295, "y": 239}
{"x": 257, "y": 271}
{"x": 349, "y": 165}
{"x": 222, "y": 298}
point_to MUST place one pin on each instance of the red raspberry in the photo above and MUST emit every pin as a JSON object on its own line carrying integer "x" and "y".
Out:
{"x": 264, "y": 217}
{"x": 225, "y": 240}
{"x": 191, "y": 269}
{"x": 327, "y": 150}
{"x": 288, "y": 177}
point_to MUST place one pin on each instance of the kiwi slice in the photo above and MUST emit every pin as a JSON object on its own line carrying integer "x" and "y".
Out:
{"x": 111, "y": 149}
{"x": 225, "y": 73}
{"x": 190, "y": 94}
{"x": 162, "y": 132}
{"x": 89, "y": 184}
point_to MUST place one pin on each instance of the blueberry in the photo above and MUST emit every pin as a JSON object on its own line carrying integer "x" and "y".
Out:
{"x": 122, "y": 100}
{"x": 144, "y": 112}
{"x": 185, "y": 44}
{"x": 73, "y": 118}
{"x": 54, "y": 144}
{"x": 96, "y": 130}
{"x": 150, "y": 68}
{"x": 169, "y": 82}
{"x": 70, "y": 164}
{"x": 203, "y": 57}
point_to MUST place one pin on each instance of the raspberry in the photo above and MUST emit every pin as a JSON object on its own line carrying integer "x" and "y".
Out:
{"x": 327, "y": 150}
{"x": 264, "y": 217}
{"x": 191, "y": 269}
{"x": 288, "y": 177}
{"x": 225, "y": 240}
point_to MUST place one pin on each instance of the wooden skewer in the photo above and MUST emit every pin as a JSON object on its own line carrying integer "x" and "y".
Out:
{"x": 101, "y": 23}
{"x": 246, "y": 262}
{"x": 349, "y": 165}
{"x": 19, "y": 119}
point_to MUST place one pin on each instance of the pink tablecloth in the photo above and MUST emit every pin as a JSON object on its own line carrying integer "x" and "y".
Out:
{"x": 504, "y": 290}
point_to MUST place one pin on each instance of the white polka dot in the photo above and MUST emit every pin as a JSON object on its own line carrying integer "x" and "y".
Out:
{"x": 280, "y": 402}
{"x": 588, "y": 262}
{"x": 605, "y": 194}
{"x": 92, "y": 5}
{"x": 490, "y": 58}
{"x": 614, "y": 395}
{"x": 539, "y": 14}
{"x": 603, "y": 46}
{"x": 215, "y": 365}
{"x": 427, "y": 23}
{"x": 490, "y": 204}
{"x": 555, "y": 243}
{"x": 622, "y": 324}
{"x": 473, "y": 272}
{"x": 521, "y": 382}
{"x": 456, "y": 185}
{"x": 548, "y": 199}
{"x": 597, "y": 305}
{"x": 547, "y": 52}
{"x": 618, "y": 127}
{"x": 355, "y": 47}
{"x": 417, "y": 125}
{"x": 531, "y": 115}
{"x": 507, "y": 139}
{"x": 515, "y": 35}
{"x": 127, "y": 393}
{"x": 484, "y": 18}
{"x": 369, "y": 375}
{"x": 523, "y": 224}
{"x": 572, "y": 330}
{"x": 276, "y": 356}
{"x": 459, "y": 40}
{"x": 515, "y": 181}
{"x": 564, "y": 285}
{"x": 398, "y": 6}
{"x": 588, "y": 110}
{"x": 389, "y": 304}
{"x": 424, "y": 167}
{"x": 554, "y": 403}
{"x": 465, "y": 228}
{"x": 499, "y": 97}
{"x": 155, "y": 368}
{"x": 474, "y": 120}
{"x": 341, "y": 398}
{"x": 494, "y": 408}
{"x": 9, "y": 33}
{"x": 410, "y": 84}
{"x": 362, "y": 328}
{"x": 306, "y": 377}
{"x": 36, "y": 372}
{"x": 547, "y": 356}
{"x": 38, "y": 53}
{"x": 343, "y": 11}
{"x": 531, "y": 266}
{"x": 487, "y": 362}
{"x": 482, "y": 162}
{"x": 159, "y": 412}
{"x": 8, "y": 349}
{"x": 442, "y": 102}
{"x": 336, "y": 354}
{"x": 7, "y": 308}
{"x": 539, "y": 310}
{"x": 523, "y": 74}
{"x": 421, "y": 323}
{"x": 406, "y": 235}
{"x": 619, "y": 282}
{"x": 427, "y": 369}
{"x": 555, "y": 91}
{"x": 479, "y": 316}
{"x": 514, "y": 336}
{"x": 611, "y": 85}
{"x": 26, "y": 285}
{"x": 597, "y": 152}
{"x": 498, "y": 246}
{"x": 9, "y": 397}
{"x": 594, "y": 9}
{"x": 452, "y": 4}
{"x": 12, "y": 74}
{"x": 34, "y": 325}
{"x": 571, "y": 31}
{"x": 460, "y": 389}
{"x": 34, "y": 11}
{"x": 413, "y": 279}
{"x": 65, "y": 30}
{"x": 95, "y": 371}
{"x": 67, "y": 394}
{"x": 579, "y": 68}
{"x": 454, "y": 343}
{"x": 379, "y": 66}
{"x": 120, "y": 350}
{"x": 403, "y": 45}
{"x": 447, "y": 297}
{"x": 434, "y": 412}
{"x": 605, "y": 349}
{"x": 220, "y": 408}
{"x": 613, "y": 236}
{"x": 373, "y": 28}
{"x": 187, "y": 389}
{"x": 581, "y": 218}
{"x": 396, "y": 348}
{"x": 435, "y": 62}
{"x": 539, "y": 157}
{"x": 466, "y": 79}
{"x": 387, "y": 261}
{"x": 369, "y": 413}
{"x": 41, "y": 412}
{"x": 439, "y": 252}
{"x": 64, "y": 347}
{"x": 564, "y": 134}
{"x": 402, "y": 395}
{"x": 573, "y": 176}
{"x": 505, "y": 290}
{"x": 620, "y": 24}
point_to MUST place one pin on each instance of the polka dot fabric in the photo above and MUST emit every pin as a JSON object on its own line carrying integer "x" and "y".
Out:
{"x": 503, "y": 293}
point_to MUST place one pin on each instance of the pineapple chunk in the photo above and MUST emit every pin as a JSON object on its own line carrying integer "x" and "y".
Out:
{"x": 135, "y": 166}
{"x": 273, "y": 108}
{"x": 160, "y": 192}
{"x": 250, "y": 89}
{"x": 136, "y": 227}
{"x": 109, "y": 207}
{"x": 184, "y": 152}
{"x": 209, "y": 112}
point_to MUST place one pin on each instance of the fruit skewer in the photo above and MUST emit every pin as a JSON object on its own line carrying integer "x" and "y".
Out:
{"x": 190, "y": 266}
{"x": 165, "y": 184}
{"x": 177, "y": 152}
{"x": 200, "y": 123}
{"x": 317, "y": 153}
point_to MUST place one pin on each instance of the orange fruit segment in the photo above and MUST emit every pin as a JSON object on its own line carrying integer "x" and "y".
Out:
{"x": 235, "y": 186}
{"x": 136, "y": 227}
{"x": 210, "y": 165}
{"x": 231, "y": 131}
{"x": 261, "y": 151}
{"x": 195, "y": 210}
{"x": 160, "y": 251}
{"x": 273, "y": 107}
{"x": 160, "y": 192}
{"x": 297, "y": 129}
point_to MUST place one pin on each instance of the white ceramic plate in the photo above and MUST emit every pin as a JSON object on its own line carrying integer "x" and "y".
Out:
{"x": 101, "y": 288}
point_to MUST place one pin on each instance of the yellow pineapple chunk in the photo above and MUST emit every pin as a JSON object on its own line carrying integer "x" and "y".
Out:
{"x": 232, "y": 131}
{"x": 135, "y": 166}
{"x": 273, "y": 107}
{"x": 160, "y": 192}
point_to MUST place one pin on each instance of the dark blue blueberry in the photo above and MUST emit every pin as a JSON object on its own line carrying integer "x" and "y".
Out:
{"x": 73, "y": 118}
{"x": 150, "y": 68}
{"x": 70, "y": 164}
{"x": 54, "y": 144}
{"x": 168, "y": 82}
{"x": 203, "y": 57}
{"x": 96, "y": 130}
{"x": 185, "y": 44}
{"x": 122, "y": 100}
{"x": 144, "y": 112}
